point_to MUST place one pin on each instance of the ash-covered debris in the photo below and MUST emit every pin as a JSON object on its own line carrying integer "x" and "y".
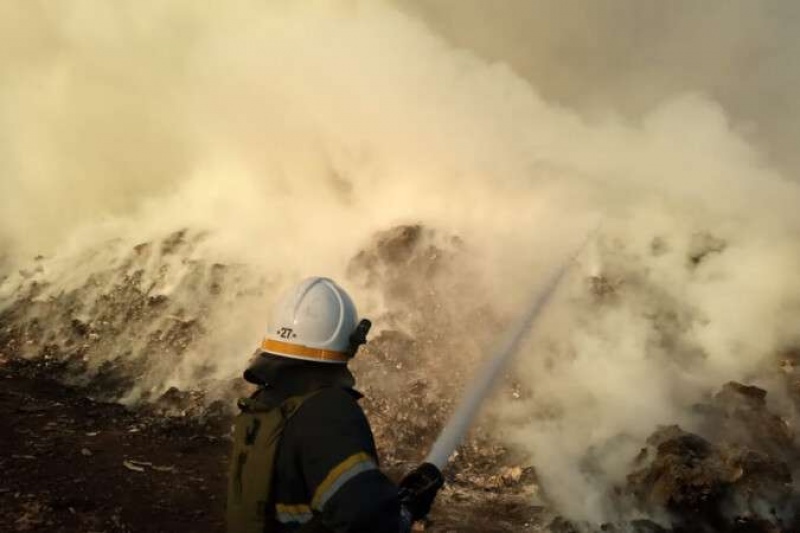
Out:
{"x": 738, "y": 416}
{"x": 432, "y": 318}
{"x": 738, "y": 478}
{"x": 125, "y": 327}
{"x": 735, "y": 473}
{"x": 685, "y": 474}
{"x": 419, "y": 252}
{"x": 425, "y": 283}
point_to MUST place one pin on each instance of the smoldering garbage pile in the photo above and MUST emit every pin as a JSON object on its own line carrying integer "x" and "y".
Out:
{"x": 734, "y": 474}
{"x": 122, "y": 333}
{"x": 135, "y": 331}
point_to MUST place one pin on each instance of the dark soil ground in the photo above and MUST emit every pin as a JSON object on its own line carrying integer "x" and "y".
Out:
{"x": 71, "y": 464}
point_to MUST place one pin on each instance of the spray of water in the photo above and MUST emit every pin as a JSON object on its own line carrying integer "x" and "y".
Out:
{"x": 460, "y": 421}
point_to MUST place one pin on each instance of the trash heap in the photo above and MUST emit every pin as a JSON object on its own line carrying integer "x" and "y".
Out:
{"x": 123, "y": 329}
{"x": 735, "y": 473}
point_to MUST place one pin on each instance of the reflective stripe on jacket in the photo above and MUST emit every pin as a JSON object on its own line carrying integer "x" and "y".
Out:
{"x": 326, "y": 467}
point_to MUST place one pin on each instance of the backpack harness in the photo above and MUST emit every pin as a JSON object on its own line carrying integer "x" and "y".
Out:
{"x": 257, "y": 432}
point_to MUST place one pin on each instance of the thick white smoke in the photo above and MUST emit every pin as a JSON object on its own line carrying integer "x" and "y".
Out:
{"x": 630, "y": 55}
{"x": 291, "y": 132}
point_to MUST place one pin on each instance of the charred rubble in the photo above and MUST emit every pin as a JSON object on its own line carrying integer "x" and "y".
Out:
{"x": 736, "y": 473}
{"x": 122, "y": 325}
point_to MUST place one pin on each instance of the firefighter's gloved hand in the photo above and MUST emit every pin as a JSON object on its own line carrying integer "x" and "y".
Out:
{"x": 419, "y": 488}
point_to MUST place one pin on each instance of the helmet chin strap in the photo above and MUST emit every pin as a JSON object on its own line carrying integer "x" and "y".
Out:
{"x": 359, "y": 336}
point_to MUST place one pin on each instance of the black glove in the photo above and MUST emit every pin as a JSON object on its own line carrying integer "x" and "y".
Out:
{"x": 419, "y": 488}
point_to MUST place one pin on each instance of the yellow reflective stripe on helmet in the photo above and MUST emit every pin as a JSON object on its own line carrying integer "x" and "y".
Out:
{"x": 339, "y": 475}
{"x": 286, "y": 514}
{"x": 289, "y": 350}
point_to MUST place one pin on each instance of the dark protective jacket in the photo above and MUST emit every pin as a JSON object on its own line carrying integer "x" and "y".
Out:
{"x": 326, "y": 468}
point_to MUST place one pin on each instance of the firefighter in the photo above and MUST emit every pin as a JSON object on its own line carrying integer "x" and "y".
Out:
{"x": 304, "y": 458}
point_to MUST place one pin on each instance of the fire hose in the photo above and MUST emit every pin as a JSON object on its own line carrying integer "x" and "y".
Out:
{"x": 422, "y": 484}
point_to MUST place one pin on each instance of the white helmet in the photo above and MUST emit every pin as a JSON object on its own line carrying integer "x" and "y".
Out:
{"x": 315, "y": 321}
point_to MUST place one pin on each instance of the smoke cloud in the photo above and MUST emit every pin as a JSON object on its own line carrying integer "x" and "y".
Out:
{"x": 631, "y": 55}
{"x": 289, "y": 133}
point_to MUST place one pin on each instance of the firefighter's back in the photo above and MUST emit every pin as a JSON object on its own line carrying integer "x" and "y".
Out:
{"x": 327, "y": 466}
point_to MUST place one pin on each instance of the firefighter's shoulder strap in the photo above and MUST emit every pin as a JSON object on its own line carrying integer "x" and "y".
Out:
{"x": 257, "y": 432}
